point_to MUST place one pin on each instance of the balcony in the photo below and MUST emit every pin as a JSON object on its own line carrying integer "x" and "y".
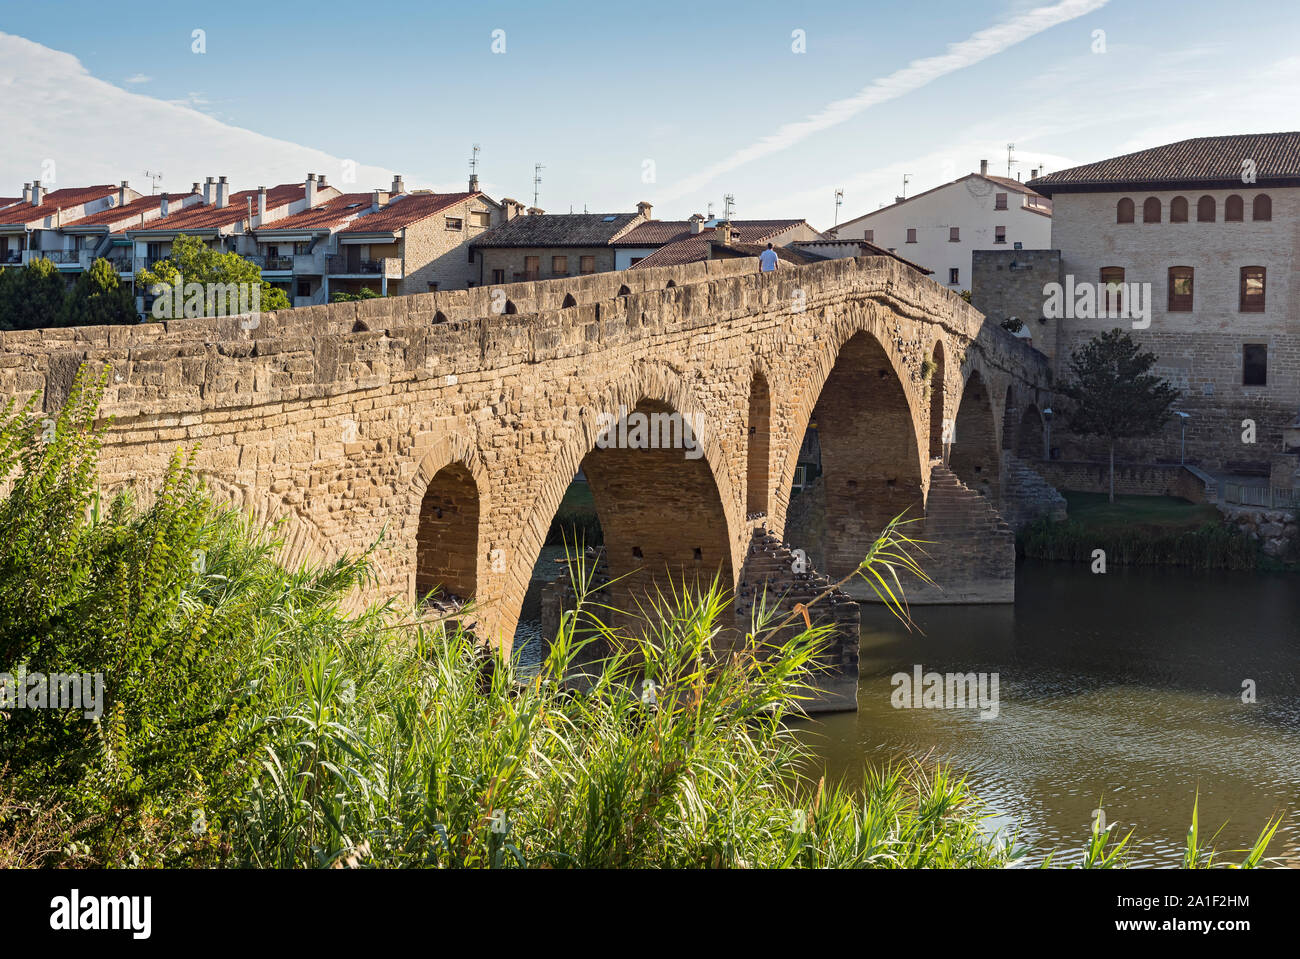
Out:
{"x": 59, "y": 257}
{"x": 337, "y": 265}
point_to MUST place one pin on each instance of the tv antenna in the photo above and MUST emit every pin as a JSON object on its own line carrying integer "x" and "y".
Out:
{"x": 155, "y": 179}
{"x": 473, "y": 161}
{"x": 1010, "y": 158}
{"x": 839, "y": 198}
{"x": 728, "y": 206}
{"x": 907, "y": 178}
{"x": 537, "y": 179}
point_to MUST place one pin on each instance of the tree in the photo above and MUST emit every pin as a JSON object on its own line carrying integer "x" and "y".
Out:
{"x": 1114, "y": 394}
{"x": 31, "y": 297}
{"x": 343, "y": 296}
{"x": 98, "y": 298}
{"x": 193, "y": 261}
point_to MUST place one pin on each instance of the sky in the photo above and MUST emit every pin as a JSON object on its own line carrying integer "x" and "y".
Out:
{"x": 678, "y": 104}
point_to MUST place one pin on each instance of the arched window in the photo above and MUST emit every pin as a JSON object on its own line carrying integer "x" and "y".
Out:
{"x": 1178, "y": 210}
{"x": 1205, "y": 209}
{"x": 1263, "y": 208}
{"x": 568, "y": 301}
{"x": 1151, "y": 210}
{"x": 1234, "y": 210}
{"x": 1124, "y": 211}
{"x": 624, "y": 291}
{"x": 510, "y": 307}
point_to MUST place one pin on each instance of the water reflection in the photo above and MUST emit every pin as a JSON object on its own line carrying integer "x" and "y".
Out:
{"x": 1124, "y": 687}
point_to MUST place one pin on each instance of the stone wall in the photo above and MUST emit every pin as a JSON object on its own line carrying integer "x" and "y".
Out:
{"x": 1009, "y": 283}
{"x": 1130, "y": 479}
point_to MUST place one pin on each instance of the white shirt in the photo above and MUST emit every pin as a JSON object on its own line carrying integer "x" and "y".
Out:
{"x": 767, "y": 260}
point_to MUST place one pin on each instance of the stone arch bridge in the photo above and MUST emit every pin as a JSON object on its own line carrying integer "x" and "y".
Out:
{"x": 453, "y": 422}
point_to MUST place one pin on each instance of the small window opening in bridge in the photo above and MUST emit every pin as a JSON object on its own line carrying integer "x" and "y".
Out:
{"x": 440, "y": 317}
{"x": 510, "y": 307}
{"x": 671, "y": 284}
{"x": 757, "y": 466}
{"x": 360, "y": 327}
{"x": 636, "y": 552}
{"x": 446, "y": 540}
{"x": 568, "y": 301}
{"x": 624, "y": 291}
{"x": 699, "y": 553}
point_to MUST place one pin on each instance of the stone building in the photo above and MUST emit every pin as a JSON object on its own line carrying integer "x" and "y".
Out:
{"x": 546, "y": 246}
{"x": 1206, "y": 234}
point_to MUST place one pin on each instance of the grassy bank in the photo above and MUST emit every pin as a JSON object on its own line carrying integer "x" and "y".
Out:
{"x": 1140, "y": 531}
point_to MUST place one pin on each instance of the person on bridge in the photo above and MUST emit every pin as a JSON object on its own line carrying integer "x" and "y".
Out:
{"x": 767, "y": 260}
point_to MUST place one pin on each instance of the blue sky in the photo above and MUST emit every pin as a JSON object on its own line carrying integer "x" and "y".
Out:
{"x": 595, "y": 91}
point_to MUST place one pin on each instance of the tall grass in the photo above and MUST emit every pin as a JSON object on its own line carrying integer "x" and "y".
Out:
{"x": 1210, "y": 547}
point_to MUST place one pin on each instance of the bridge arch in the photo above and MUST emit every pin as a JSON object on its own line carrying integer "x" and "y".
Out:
{"x": 758, "y": 464}
{"x": 864, "y": 409}
{"x": 973, "y": 456}
{"x": 938, "y": 389}
{"x": 444, "y": 530}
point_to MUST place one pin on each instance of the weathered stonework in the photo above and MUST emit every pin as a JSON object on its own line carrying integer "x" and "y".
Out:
{"x": 345, "y": 419}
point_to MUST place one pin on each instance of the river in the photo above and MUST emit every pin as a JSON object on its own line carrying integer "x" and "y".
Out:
{"x": 1124, "y": 688}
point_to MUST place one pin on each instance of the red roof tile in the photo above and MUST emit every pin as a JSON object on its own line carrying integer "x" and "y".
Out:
{"x": 661, "y": 232}
{"x": 122, "y": 217}
{"x": 695, "y": 247}
{"x": 323, "y": 216}
{"x": 404, "y": 210}
{"x": 54, "y": 201}
{"x": 205, "y": 216}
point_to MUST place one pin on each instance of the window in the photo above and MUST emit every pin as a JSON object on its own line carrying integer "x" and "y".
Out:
{"x": 1178, "y": 210}
{"x": 635, "y": 260}
{"x": 1205, "y": 209}
{"x": 1234, "y": 210}
{"x": 869, "y": 236}
{"x": 954, "y": 274}
{"x": 480, "y": 218}
{"x": 304, "y": 287}
{"x": 954, "y": 234}
{"x": 911, "y": 234}
{"x": 587, "y": 264}
{"x": 999, "y": 234}
{"x": 1180, "y": 289}
{"x": 999, "y": 201}
{"x": 433, "y": 286}
{"x": 532, "y": 266}
{"x": 1262, "y": 209}
{"x": 1124, "y": 211}
{"x": 498, "y": 276}
{"x": 454, "y": 222}
{"x": 1254, "y": 364}
{"x": 560, "y": 264}
{"x": 1112, "y": 282}
{"x": 1252, "y": 289}
{"x": 1151, "y": 210}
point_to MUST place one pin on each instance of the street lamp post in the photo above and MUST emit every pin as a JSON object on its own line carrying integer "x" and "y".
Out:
{"x": 1047, "y": 421}
{"x": 1182, "y": 456}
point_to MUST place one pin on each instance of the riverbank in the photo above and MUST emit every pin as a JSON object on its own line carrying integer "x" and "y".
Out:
{"x": 1143, "y": 531}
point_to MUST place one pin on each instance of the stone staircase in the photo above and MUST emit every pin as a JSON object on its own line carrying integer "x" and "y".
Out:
{"x": 1026, "y": 496}
{"x": 971, "y": 550}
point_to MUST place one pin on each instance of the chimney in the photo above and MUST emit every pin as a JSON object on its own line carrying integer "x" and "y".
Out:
{"x": 697, "y": 222}
{"x": 223, "y": 194}
{"x": 984, "y": 167}
{"x": 195, "y": 187}
{"x": 261, "y": 204}
{"x": 473, "y": 183}
{"x": 724, "y": 233}
{"x": 27, "y": 193}
{"x": 1033, "y": 174}
{"x": 207, "y": 191}
{"x": 379, "y": 198}
{"x": 162, "y": 204}
{"x": 310, "y": 188}
{"x": 121, "y": 194}
{"x": 38, "y": 194}
{"x": 320, "y": 181}
{"x": 398, "y": 185}
{"x": 644, "y": 209}
{"x": 535, "y": 211}
{"x": 510, "y": 208}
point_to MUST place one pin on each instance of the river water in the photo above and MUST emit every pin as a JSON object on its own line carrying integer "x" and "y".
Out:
{"x": 1124, "y": 688}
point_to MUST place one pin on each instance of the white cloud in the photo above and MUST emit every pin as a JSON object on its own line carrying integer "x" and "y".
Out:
{"x": 51, "y": 108}
{"x": 978, "y": 46}
{"x": 137, "y": 78}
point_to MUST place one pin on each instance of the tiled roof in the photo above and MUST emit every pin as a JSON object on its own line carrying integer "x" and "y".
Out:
{"x": 1001, "y": 181}
{"x": 660, "y": 232}
{"x": 866, "y": 248}
{"x": 323, "y": 216}
{"x": 1202, "y": 160}
{"x": 206, "y": 216}
{"x": 404, "y": 210}
{"x": 1009, "y": 183}
{"x": 54, "y": 201}
{"x": 695, "y": 247}
{"x": 149, "y": 205}
{"x": 558, "y": 229}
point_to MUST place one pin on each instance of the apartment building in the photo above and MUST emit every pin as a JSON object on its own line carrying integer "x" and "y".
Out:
{"x": 665, "y": 242}
{"x": 544, "y": 246}
{"x": 31, "y": 226}
{"x": 103, "y": 234}
{"x": 940, "y": 228}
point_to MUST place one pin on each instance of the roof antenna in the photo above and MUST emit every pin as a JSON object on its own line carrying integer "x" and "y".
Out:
{"x": 473, "y": 161}
{"x": 155, "y": 179}
{"x": 839, "y": 198}
{"x": 728, "y": 205}
{"x": 1010, "y": 159}
{"x": 907, "y": 178}
{"x": 537, "y": 179}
